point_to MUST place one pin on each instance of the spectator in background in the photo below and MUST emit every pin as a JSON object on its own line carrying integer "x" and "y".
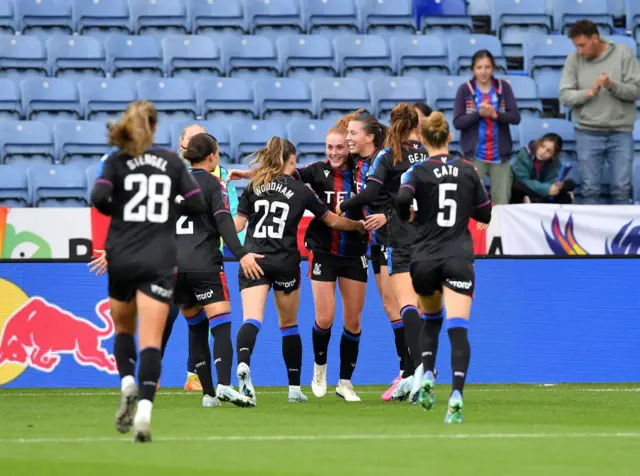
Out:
{"x": 536, "y": 173}
{"x": 601, "y": 82}
{"x": 483, "y": 111}
{"x": 423, "y": 110}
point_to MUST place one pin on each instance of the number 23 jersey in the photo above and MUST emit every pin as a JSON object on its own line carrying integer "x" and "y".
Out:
{"x": 274, "y": 212}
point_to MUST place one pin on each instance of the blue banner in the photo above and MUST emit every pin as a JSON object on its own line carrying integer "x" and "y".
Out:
{"x": 533, "y": 321}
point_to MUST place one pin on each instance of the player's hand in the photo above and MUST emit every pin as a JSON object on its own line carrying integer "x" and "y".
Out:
{"x": 339, "y": 211}
{"x": 235, "y": 174}
{"x": 99, "y": 265}
{"x": 482, "y": 226}
{"x": 363, "y": 228}
{"x": 375, "y": 222}
{"x": 250, "y": 267}
{"x": 412, "y": 214}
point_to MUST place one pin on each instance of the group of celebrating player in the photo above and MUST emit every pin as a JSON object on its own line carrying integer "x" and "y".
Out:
{"x": 396, "y": 191}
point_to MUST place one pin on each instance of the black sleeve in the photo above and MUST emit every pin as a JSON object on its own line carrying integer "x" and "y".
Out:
{"x": 193, "y": 204}
{"x": 227, "y": 229}
{"x": 244, "y": 204}
{"x": 304, "y": 174}
{"x": 407, "y": 190}
{"x": 481, "y": 199}
{"x": 102, "y": 193}
{"x": 366, "y": 197}
{"x": 315, "y": 205}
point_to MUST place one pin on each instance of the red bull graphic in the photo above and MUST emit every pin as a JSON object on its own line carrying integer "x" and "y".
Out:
{"x": 564, "y": 242}
{"x": 37, "y": 334}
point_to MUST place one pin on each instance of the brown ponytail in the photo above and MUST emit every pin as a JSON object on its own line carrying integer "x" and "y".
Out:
{"x": 134, "y": 134}
{"x": 404, "y": 118}
{"x": 271, "y": 160}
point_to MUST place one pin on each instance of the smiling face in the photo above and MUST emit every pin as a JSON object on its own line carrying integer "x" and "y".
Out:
{"x": 483, "y": 70}
{"x": 359, "y": 141}
{"x": 337, "y": 150}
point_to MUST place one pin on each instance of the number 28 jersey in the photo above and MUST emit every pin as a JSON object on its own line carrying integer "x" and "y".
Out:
{"x": 143, "y": 225}
{"x": 447, "y": 190}
{"x": 274, "y": 212}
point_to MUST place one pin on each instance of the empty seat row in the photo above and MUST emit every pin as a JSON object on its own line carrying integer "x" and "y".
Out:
{"x": 189, "y": 55}
{"x": 161, "y": 17}
{"x": 54, "y": 99}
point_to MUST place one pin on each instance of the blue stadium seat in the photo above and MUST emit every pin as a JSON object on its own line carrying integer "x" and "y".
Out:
{"x": 335, "y": 97}
{"x": 44, "y": 18}
{"x": 217, "y": 128}
{"x": 163, "y": 136}
{"x": 225, "y": 98}
{"x": 76, "y": 57}
{"x": 309, "y": 137}
{"x": 513, "y": 20}
{"x": 306, "y": 56}
{"x": 515, "y": 138}
{"x": 446, "y": 17}
{"x": 532, "y": 129}
{"x": 104, "y": 98}
{"x": 274, "y": 18}
{"x": 241, "y": 184}
{"x": 442, "y": 90}
{"x": 10, "y": 104}
{"x": 159, "y": 18}
{"x": 463, "y": 47}
{"x": 173, "y": 97}
{"x": 625, "y": 40}
{"x": 217, "y": 19}
{"x": 420, "y": 56}
{"x": 567, "y": 12}
{"x": 331, "y": 17}
{"x": 57, "y": 186}
{"x": 282, "y": 98}
{"x": 249, "y": 136}
{"x": 90, "y": 174}
{"x": 134, "y": 57}
{"x": 13, "y": 186}
{"x": 635, "y": 181}
{"x": 26, "y": 143}
{"x": 191, "y": 56}
{"x": 387, "y": 92}
{"x": 8, "y": 24}
{"x": 526, "y": 93}
{"x": 22, "y": 57}
{"x": 49, "y": 99}
{"x": 362, "y": 56}
{"x": 249, "y": 57}
{"x": 81, "y": 143}
{"x": 632, "y": 10}
{"x": 100, "y": 18}
{"x": 387, "y": 17}
{"x": 544, "y": 58}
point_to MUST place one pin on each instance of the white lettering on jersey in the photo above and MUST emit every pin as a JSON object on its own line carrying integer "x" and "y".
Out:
{"x": 274, "y": 187}
{"x": 341, "y": 196}
{"x": 446, "y": 170}
{"x": 147, "y": 159}
{"x": 417, "y": 157}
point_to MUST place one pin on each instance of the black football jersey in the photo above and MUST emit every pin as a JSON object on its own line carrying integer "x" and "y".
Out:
{"x": 332, "y": 187}
{"x": 361, "y": 167}
{"x": 198, "y": 237}
{"x": 274, "y": 212}
{"x": 143, "y": 225}
{"x": 447, "y": 191}
{"x": 389, "y": 174}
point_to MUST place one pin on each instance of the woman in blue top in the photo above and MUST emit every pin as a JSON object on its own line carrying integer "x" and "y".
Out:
{"x": 483, "y": 111}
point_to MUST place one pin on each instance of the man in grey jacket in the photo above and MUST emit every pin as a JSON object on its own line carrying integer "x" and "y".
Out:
{"x": 601, "y": 82}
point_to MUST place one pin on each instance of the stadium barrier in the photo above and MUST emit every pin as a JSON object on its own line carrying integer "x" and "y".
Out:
{"x": 533, "y": 321}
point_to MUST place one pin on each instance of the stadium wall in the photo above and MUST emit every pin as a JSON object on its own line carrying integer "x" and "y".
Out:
{"x": 534, "y": 321}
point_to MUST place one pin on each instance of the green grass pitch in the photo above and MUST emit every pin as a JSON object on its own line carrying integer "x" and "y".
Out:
{"x": 509, "y": 430}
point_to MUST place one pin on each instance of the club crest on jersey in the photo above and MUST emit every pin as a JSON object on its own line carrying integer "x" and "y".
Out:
{"x": 317, "y": 269}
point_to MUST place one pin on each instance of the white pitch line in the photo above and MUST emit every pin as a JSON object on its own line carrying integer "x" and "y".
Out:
{"x": 244, "y": 438}
{"x": 283, "y": 392}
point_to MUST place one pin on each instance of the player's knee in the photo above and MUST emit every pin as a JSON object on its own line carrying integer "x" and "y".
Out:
{"x": 352, "y": 323}
{"x": 324, "y": 320}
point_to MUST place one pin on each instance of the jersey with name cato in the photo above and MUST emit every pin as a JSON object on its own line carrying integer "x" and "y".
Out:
{"x": 143, "y": 225}
{"x": 274, "y": 211}
{"x": 388, "y": 174}
{"x": 332, "y": 187}
{"x": 447, "y": 190}
{"x": 198, "y": 237}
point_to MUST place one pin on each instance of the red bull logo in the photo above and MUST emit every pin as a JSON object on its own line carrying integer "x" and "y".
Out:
{"x": 35, "y": 333}
{"x": 563, "y": 241}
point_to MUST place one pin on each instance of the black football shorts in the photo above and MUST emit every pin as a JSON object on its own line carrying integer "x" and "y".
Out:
{"x": 125, "y": 281}
{"x": 379, "y": 257}
{"x": 457, "y": 274}
{"x": 282, "y": 273}
{"x": 198, "y": 287}
{"x": 398, "y": 259}
{"x": 326, "y": 267}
